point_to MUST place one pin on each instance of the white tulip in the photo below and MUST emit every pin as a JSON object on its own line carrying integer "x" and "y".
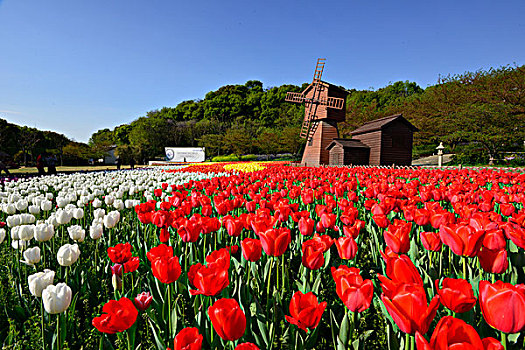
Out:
{"x": 9, "y": 209}
{"x": 34, "y": 209}
{"x": 27, "y": 218}
{"x": 63, "y": 216}
{"x": 56, "y": 298}
{"x": 44, "y": 232}
{"x": 68, "y": 254}
{"x": 21, "y": 205}
{"x": 14, "y": 233}
{"x": 109, "y": 199}
{"x": 46, "y": 205}
{"x": 111, "y": 219}
{"x": 76, "y": 233}
{"x": 95, "y": 231}
{"x": 118, "y": 204}
{"x": 78, "y": 213}
{"x": 99, "y": 213}
{"x": 18, "y": 244}
{"x": 2, "y": 235}
{"x": 49, "y": 196}
{"x": 97, "y": 203}
{"x": 62, "y": 202}
{"x": 13, "y": 220}
{"x": 31, "y": 256}
{"x": 52, "y": 220}
{"x": 39, "y": 281}
{"x": 26, "y": 232}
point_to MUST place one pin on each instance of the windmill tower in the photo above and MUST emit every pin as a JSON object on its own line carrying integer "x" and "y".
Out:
{"x": 324, "y": 108}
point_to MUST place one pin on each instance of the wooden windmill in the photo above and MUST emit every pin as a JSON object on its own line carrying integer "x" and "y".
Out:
{"x": 324, "y": 108}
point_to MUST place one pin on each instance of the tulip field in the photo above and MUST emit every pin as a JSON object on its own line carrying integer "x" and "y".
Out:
{"x": 264, "y": 256}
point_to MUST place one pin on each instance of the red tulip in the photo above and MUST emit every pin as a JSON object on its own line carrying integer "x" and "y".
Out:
{"x": 220, "y": 257}
{"x": 247, "y": 346}
{"x": 305, "y": 310}
{"x": 157, "y": 192}
{"x": 161, "y": 218}
{"x": 313, "y": 254}
{"x": 451, "y": 333}
{"x": 132, "y": 264}
{"x": 397, "y": 236}
{"x": 431, "y": 241}
{"x": 407, "y": 305}
{"x": 189, "y": 232}
{"x": 227, "y": 319}
{"x": 462, "y": 239}
{"x": 306, "y": 226}
{"x": 159, "y": 251}
{"x": 251, "y": 249}
{"x": 166, "y": 269}
{"x": 188, "y": 338}
{"x": 118, "y": 316}
{"x": 328, "y": 220}
{"x": 400, "y": 269}
{"x": 493, "y": 261}
{"x": 120, "y": 253}
{"x": 456, "y": 294}
{"x": 515, "y": 233}
{"x": 490, "y": 343}
{"x": 209, "y": 280}
{"x": 381, "y": 221}
{"x": 503, "y": 305}
{"x": 346, "y": 247}
{"x": 355, "y": 292}
{"x": 275, "y": 241}
{"x": 233, "y": 227}
{"x": 143, "y": 300}
{"x": 422, "y": 217}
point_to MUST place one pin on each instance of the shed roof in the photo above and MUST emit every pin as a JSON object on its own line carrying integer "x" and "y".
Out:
{"x": 380, "y": 123}
{"x": 346, "y": 143}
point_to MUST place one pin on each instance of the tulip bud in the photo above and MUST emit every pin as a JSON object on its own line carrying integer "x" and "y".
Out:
{"x": 39, "y": 281}
{"x": 76, "y": 233}
{"x": 31, "y": 256}
{"x": 143, "y": 301}
{"x": 68, "y": 254}
{"x": 56, "y": 298}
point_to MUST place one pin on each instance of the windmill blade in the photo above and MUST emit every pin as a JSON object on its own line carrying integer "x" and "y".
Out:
{"x": 294, "y": 97}
{"x": 319, "y": 67}
{"x": 332, "y": 102}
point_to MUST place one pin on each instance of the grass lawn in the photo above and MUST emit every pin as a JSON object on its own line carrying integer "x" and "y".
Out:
{"x": 33, "y": 170}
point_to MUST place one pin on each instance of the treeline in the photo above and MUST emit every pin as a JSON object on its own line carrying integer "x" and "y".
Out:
{"x": 22, "y": 145}
{"x": 477, "y": 115}
{"x": 235, "y": 119}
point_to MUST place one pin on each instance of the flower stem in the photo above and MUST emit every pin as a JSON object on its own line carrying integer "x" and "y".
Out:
{"x": 504, "y": 340}
{"x": 42, "y": 323}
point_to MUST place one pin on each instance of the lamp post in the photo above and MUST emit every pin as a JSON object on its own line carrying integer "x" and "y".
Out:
{"x": 440, "y": 149}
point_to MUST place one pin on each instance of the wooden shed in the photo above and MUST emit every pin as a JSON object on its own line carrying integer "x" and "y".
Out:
{"x": 348, "y": 152}
{"x": 389, "y": 139}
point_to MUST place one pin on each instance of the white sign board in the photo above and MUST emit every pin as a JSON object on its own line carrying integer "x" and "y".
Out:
{"x": 185, "y": 154}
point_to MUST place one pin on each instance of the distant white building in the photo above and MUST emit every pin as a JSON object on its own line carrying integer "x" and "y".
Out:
{"x": 110, "y": 157}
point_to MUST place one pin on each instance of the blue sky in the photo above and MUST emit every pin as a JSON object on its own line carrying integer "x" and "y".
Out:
{"x": 79, "y": 66}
